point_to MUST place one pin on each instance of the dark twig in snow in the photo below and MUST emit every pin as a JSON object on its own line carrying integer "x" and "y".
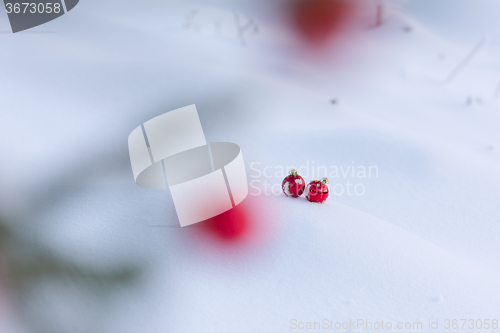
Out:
{"x": 190, "y": 20}
{"x": 380, "y": 13}
{"x": 250, "y": 25}
{"x": 465, "y": 61}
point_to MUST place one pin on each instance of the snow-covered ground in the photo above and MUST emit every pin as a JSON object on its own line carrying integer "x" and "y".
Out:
{"x": 420, "y": 243}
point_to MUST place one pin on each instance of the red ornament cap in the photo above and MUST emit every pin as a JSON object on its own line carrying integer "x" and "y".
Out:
{"x": 317, "y": 190}
{"x": 293, "y": 185}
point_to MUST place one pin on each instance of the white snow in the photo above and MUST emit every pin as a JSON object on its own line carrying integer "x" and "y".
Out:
{"x": 420, "y": 244}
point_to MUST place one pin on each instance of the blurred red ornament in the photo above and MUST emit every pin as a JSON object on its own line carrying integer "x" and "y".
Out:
{"x": 242, "y": 228}
{"x": 317, "y": 191}
{"x": 229, "y": 226}
{"x": 293, "y": 185}
{"x": 318, "y": 20}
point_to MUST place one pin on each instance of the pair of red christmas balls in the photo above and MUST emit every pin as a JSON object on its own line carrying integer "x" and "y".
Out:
{"x": 294, "y": 186}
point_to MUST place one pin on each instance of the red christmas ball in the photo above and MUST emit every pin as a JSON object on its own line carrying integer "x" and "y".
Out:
{"x": 293, "y": 185}
{"x": 318, "y": 20}
{"x": 317, "y": 191}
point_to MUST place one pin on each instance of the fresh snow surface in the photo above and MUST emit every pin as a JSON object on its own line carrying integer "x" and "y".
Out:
{"x": 420, "y": 244}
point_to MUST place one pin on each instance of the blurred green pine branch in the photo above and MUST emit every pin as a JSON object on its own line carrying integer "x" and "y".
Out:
{"x": 23, "y": 262}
